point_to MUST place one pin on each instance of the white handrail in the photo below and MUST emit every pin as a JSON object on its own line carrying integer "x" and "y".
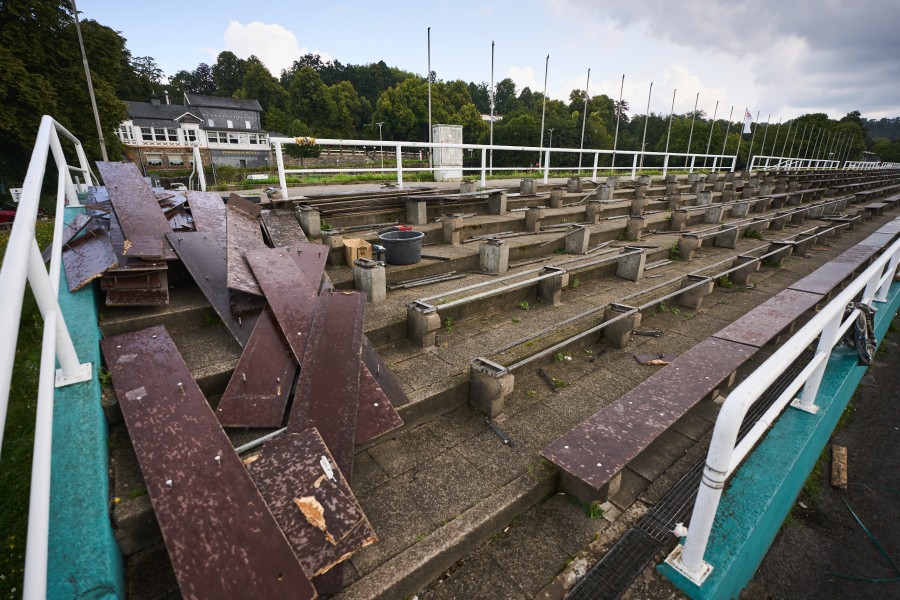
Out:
{"x": 720, "y": 162}
{"x": 23, "y": 262}
{"x": 861, "y": 165}
{"x": 787, "y": 163}
{"x": 724, "y": 456}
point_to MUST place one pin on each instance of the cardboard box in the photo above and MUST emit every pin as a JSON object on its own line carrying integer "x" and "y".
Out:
{"x": 356, "y": 248}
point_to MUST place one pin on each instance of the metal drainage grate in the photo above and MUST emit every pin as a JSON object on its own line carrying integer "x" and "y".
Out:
{"x": 622, "y": 564}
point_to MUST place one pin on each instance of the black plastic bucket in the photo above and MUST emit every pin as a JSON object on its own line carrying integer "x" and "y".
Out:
{"x": 402, "y": 247}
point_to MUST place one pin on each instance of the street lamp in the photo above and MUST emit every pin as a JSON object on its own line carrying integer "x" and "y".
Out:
{"x": 380, "y": 123}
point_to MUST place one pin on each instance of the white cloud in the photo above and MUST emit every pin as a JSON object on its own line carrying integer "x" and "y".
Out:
{"x": 276, "y": 46}
{"x": 524, "y": 77}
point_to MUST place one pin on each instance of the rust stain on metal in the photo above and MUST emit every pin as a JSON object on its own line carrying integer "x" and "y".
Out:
{"x": 221, "y": 537}
{"x": 599, "y": 447}
{"x": 320, "y": 516}
{"x": 327, "y": 395}
{"x": 208, "y": 212}
{"x": 87, "y": 258}
{"x": 258, "y": 391}
{"x": 243, "y": 235}
{"x": 204, "y": 258}
{"x": 310, "y": 259}
{"x": 136, "y": 207}
{"x": 292, "y": 300}
{"x": 763, "y": 323}
{"x": 376, "y": 414}
{"x": 69, "y": 231}
{"x": 137, "y": 297}
{"x": 282, "y": 228}
{"x": 147, "y": 280}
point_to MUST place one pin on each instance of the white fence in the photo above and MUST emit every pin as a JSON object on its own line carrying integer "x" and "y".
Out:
{"x": 725, "y": 454}
{"x": 786, "y": 163}
{"x": 23, "y": 262}
{"x": 870, "y": 166}
{"x": 629, "y": 160}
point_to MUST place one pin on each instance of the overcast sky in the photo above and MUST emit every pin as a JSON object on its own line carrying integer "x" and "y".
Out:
{"x": 778, "y": 57}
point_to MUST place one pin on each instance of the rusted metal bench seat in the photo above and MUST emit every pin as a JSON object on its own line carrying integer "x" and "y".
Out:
{"x": 762, "y": 324}
{"x": 591, "y": 456}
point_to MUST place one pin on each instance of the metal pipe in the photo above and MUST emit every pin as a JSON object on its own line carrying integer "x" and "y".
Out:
{"x": 201, "y": 176}
{"x": 60, "y": 158}
{"x": 775, "y": 141}
{"x": 430, "y": 132}
{"x": 669, "y": 132}
{"x": 784, "y": 146}
{"x": 492, "y": 116}
{"x": 691, "y": 134}
{"x": 90, "y": 84}
{"x": 752, "y": 137}
{"x": 282, "y": 180}
{"x": 727, "y": 129}
{"x": 646, "y": 121}
{"x": 712, "y": 127}
{"x": 618, "y": 111}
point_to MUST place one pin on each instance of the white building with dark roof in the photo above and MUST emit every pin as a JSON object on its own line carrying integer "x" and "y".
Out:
{"x": 159, "y": 136}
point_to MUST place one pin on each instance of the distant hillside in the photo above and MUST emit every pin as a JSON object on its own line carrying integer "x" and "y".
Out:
{"x": 883, "y": 128}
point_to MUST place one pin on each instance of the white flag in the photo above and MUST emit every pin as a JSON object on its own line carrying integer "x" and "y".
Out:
{"x": 748, "y": 118}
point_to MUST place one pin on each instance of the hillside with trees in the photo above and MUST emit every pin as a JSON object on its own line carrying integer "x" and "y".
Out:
{"x": 328, "y": 99}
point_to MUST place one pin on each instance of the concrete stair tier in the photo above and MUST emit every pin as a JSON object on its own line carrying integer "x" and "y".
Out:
{"x": 445, "y": 486}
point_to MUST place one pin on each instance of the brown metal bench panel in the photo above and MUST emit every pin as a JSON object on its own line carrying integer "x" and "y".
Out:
{"x": 129, "y": 264}
{"x": 282, "y": 227}
{"x": 221, "y": 537}
{"x": 289, "y": 469}
{"x": 75, "y": 227}
{"x": 831, "y": 274}
{"x": 327, "y": 395}
{"x": 87, "y": 258}
{"x": 892, "y": 228}
{"x": 376, "y": 414}
{"x": 292, "y": 300}
{"x": 759, "y": 326}
{"x": 243, "y": 235}
{"x": 258, "y": 391}
{"x": 208, "y": 212}
{"x": 383, "y": 375}
{"x": 136, "y": 207}
{"x": 204, "y": 257}
{"x": 597, "y": 449}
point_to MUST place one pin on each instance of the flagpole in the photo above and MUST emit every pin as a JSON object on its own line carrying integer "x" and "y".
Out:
{"x": 671, "y": 114}
{"x": 727, "y": 129}
{"x": 430, "y": 133}
{"x": 752, "y": 137}
{"x": 646, "y": 120}
{"x": 791, "y": 151}
{"x": 491, "y": 169}
{"x": 543, "y": 112}
{"x": 618, "y": 116}
{"x": 784, "y": 146}
{"x": 691, "y": 135}
{"x": 712, "y": 127}
{"x": 775, "y": 141}
{"x": 584, "y": 118}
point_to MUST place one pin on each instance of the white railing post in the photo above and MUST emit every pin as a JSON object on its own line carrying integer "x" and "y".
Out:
{"x": 399, "y": 168}
{"x": 882, "y": 294}
{"x": 36, "y": 548}
{"x": 84, "y": 164}
{"x": 483, "y": 167}
{"x": 282, "y": 180}
{"x": 634, "y": 162}
{"x": 827, "y": 340}
{"x": 547, "y": 167}
{"x": 693, "y": 158}
{"x": 71, "y": 370}
{"x": 596, "y": 161}
{"x": 715, "y": 162}
{"x": 665, "y": 165}
{"x": 201, "y": 176}
{"x": 60, "y": 158}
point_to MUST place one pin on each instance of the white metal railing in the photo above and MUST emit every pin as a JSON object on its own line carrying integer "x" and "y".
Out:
{"x": 725, "y": 454}
{"x": 23, "y": 262}
{"x": 633, "y": 159}
{"x": 862, "y": 165}
{"x": 787, "y": 163}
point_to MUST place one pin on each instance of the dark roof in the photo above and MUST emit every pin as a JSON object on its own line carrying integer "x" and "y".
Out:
{"x": 219, "y": 102}
{"x": 147, "y": 110}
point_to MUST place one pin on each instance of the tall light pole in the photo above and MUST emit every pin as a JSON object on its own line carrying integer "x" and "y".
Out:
{"x": 618, "y": 117}
{"x": 727, "y": 129}
{"x": 584, "y": 118}
{"x": 430, "y": 136}
{"x": 646, "y": 120}
{"x": 784, "y": 146}
{"x": 491, "y": 170}
{"x": 671, "y": 115}
{"x": 712, "y": 127}
{"x": 90, "y": 84}
{"x": 543, "y": 111}
{"x": 775, "y": 141}
{"x": 381, "y": 147}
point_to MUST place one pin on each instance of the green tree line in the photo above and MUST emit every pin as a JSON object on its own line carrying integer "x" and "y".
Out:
{"x": 41, "y": 72}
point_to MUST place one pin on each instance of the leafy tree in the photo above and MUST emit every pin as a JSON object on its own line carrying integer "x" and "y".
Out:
{"x": 228, "y": 73}
{"x": 505, "y": 98}
{"x": 198, "y": 81}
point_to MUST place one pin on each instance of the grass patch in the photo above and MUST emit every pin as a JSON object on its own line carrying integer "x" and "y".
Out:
{"x": 448, "y": 323}
{"x": 524, "y": 305}
{"x": 18, "y": 441}
{"x": 724, "y": 282}
{"x": 753, "y": 234}
{"x": 675, "y": 252}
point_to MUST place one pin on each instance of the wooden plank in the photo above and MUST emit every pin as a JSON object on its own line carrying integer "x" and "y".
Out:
{"x": 288, "y": 472}
{"x": 292, "y": 300}
{"x": 87, "y": 258}
{"x": 258, "y": 391}
{"x": 137, "y": 209}
{"x": 243, "y": 235}
{"x": 204, "y": 258}
{"x": 221, "y": 537}
{"x": 282, "y": 228}
{"x": 328, "y": 391}
{"x": 208, "y": 212}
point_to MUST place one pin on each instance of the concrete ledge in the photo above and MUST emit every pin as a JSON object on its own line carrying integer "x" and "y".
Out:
{"x": 412, "y": 569}
{"x": 760, "y": 495}
{"x": 84, "y": 560}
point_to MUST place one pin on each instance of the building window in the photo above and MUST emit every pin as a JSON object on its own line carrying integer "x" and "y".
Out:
{"x": 154, "y": 160}
{"x": 176, "y": 161}
{"x": 254, "y": 139}
{"x": 233, "y": 138}
{"x": 230, "y": 124}
{"x": 159, "y": 133}
{"x": 211, "y": 123}
{"x": 190, "y": 135}
{"x": 172, "y": 134}
{"x": 213, "y": 137}
{"x": 146, "y": 134}
{"x": 247, "y": 124}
